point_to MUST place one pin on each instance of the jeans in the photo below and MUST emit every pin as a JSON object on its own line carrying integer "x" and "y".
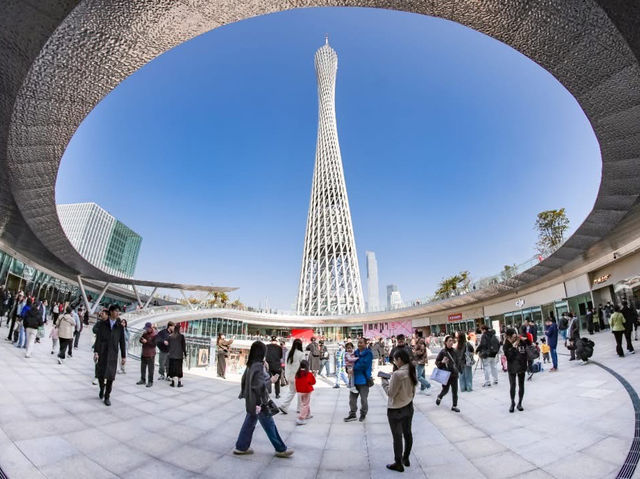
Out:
{"x": 147, "y": 364}
{"x": 400, "y": 424}
{"x": 512, "y": 386}
{"x": 554, "y": 357}
{"x": 324, "y": 365}
{"x": 424, "y": 384}
{"x": 618, "y": 335}
{"x": 31, "y": 339}
{"x": 363, "y": 392}
{"x": 163, "y": 363}
{"x": 563, "y": 334}
{"x": 453, "y": 384}
{"x": 22, "y": 337}
{"x": 269, "y": 426}
{"x": 466, "y": 379}
{"x": 627, "y": 336}
{"x": 76, "y": 335}
{"x": 342, "y": 375}
{"x": 490, "y": 369}
{"x": 305, "y": 405}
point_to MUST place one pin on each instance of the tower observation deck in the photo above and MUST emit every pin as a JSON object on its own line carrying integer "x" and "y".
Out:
{"x": 330, "y": 277}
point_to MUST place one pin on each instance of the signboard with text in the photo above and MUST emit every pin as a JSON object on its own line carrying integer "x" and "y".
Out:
{"x": 387, "y": 329}
{"x": 454, "y": 317}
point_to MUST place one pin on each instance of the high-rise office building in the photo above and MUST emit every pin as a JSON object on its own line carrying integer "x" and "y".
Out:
{"x": 373, "y": 296}
{"x": 100, "y": 238}
{"x": 395, "y": 300}
{"x": 390, "y": 289}
{"x": 330, "y": 277}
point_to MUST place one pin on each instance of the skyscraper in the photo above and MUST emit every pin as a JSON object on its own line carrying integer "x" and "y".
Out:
{"x": 330, "y": 277}
{"x": 373, "y": 296}
{"x": 100, "y": 238}
{"x": 390, "y": 289}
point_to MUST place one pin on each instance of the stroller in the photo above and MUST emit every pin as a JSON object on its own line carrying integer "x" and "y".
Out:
{"x": 584, "y": 349}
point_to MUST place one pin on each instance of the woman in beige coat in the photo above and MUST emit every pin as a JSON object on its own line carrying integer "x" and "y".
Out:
{"x": 66, "y": 326}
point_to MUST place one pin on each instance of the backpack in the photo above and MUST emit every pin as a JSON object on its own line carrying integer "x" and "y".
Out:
{"x": 536, "y": 367}
{"x": 532, "y": 352}
{"x": 468, "y": 358}
{"x": 494, "y": 345}
{"x": 564, "y": 323}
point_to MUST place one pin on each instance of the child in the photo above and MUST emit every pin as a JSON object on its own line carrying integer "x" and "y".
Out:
{"x": 349, "y": 360}
{"x": 545, "y": 350}
{"x": 54, "y": 339}
{"x": 304, "y": 386}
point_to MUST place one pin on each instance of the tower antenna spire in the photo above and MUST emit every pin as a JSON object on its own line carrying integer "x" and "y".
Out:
{"x": 326, "y": 39}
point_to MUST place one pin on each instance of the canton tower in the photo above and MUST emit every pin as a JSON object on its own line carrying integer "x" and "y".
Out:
{"x": 330, "y": 277}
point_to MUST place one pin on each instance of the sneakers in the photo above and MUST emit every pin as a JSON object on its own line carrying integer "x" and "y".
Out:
{"x": 238, "y": 452}
{"x": 350, "y": 417}
{"x": 495, "y": 383}
{"x": 519, "y": 407}
{"x": 141, "y": 382}
{"x": 362, "y": 417}
{"x": 107, "y": 402}
{"x": 149, "y": 384}
{"x": 300, "y": 422}
{"x": 179, "y": 384}
{"x": 455, "y": 409}
{"x": 426, "y": 392}
{"x": 337, "y": 386}
{"x": 286, "y": 453}
{"x": 59, "y": 360}
{"x": 438, "y": 401}
{"x": 486, "y": 385}
{"x": 94, "y": 382}
{"x": 173, "y": 384}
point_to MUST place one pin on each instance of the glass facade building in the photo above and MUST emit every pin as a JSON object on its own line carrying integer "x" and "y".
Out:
{"x": 100, "y": 238}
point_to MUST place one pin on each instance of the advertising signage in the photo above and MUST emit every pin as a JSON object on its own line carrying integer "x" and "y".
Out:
{"x": 455, "y": 317}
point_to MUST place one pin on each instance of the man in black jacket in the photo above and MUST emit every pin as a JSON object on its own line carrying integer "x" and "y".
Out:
{"x": 487, "y": 351}
{"x": 274, "y": 360}
{"x": 162, "y": 341}
{"x": 109, "y": 336}
{"x": 401, "y": 344}
{"x": 630, "y": 319}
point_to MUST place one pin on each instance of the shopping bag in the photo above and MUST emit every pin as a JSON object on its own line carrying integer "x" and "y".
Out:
{"x": 440, "y": 376}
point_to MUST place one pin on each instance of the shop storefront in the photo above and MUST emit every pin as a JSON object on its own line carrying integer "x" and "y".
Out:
{"x": 617, "y": 282}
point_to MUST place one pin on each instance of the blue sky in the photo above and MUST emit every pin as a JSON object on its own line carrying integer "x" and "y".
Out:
{"x": 451, "y": 142}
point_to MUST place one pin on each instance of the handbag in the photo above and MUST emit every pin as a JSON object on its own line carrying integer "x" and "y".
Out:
{"x": 440, "y": 376}
{"x": 370, "y": 382}
{"x": 270, "y": 408}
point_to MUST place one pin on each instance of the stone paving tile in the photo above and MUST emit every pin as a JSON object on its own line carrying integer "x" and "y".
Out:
{"x": 192, "y": 431}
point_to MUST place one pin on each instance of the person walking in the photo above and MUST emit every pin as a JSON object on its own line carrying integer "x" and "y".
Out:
{"x": 601, "y": 318}
{"x": 563, "y": 326}
{"x": 79, "y": 326}
{"x": 177, "y": 353}
{"x": 573, "y": 335}
{"x": 361, "y": 378}
{"x": 488, "y": 349}
{"x": 148, "y": 355}
{"x": 255, "y": 387}
{"x": 314, "y": 356}
{"x": 324, "y": 358}
{"x": 341, "y": 372}
{"x": 401, "y": 343}
{"x": 590, "y": 324}
{"x": 446, "y": 360}
{"x": 127, "y": 336}
{"x": 551, "y": 331}
{"x": 630, "y": 319}
{"x": 66, "y": 325}
{"x": 274, "y": 360}
{"x": 223, "y": 346}
{"x": 109, "y": 337}
{"x": 421, "y": 359}
{"x": 304, "y": 385}
{"x": 294, "y": 358}
{"x": 515, "y": 349}
{"x": 14, "y": 314}
{"x": 401, "y": 389}
{"x": 162, "y": 341}
{"x": 617, "y": 322}
{"x": 32, "y": 321}
{"x": 53, "y": 334}
{"x": 464, "y": 351}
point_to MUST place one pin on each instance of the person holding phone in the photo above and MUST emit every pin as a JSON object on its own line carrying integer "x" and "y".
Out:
{"x": 446, "y": 360}
{"x": 400, "y": 389}
{"x": 515, "y": 349}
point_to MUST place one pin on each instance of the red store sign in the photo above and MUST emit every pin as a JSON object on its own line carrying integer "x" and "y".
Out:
{"x": 455, "y": 317}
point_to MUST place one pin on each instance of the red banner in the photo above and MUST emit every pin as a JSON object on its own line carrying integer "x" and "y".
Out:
{"x": 454, "y": 317}
{"x": 305, "y": 334}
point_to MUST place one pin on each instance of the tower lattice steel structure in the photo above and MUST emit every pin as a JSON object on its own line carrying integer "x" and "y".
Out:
{"x": 330, "y": 277}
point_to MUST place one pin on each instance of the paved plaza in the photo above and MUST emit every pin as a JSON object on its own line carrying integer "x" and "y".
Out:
{"x": 578, "y": 422}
